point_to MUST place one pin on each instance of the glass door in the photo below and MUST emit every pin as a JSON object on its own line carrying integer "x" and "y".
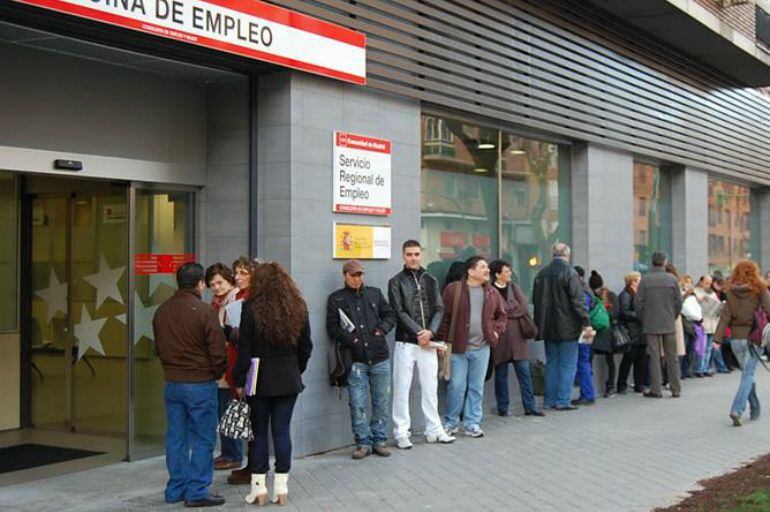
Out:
{"x": 77, "y": 335}
{"x": 162, "y": 241}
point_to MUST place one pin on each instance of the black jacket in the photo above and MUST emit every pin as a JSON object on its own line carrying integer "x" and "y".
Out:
{"x": 280, "y": 366}
{"x": 559, "y": 300}
{"x": 373, "y": 317}
{"x": 629, "y": 318}
{"x": 416, "y": 300}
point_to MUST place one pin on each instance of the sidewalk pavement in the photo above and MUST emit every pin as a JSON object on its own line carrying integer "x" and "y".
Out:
{"x": 626, "y": 453}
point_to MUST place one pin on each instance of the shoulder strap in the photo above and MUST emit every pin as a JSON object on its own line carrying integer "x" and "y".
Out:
{"x": 455, "y": 308}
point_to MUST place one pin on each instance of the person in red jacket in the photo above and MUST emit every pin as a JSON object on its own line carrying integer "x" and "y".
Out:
{"x": 221, "y": 281}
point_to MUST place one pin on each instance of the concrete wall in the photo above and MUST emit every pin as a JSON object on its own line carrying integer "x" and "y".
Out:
{"x": 224, "y": 201}
{"x": 602, "y": 212}
{"x": 297, "y": 116}
{"x": 689, "y": 220}
{"x": 120, "y": 122}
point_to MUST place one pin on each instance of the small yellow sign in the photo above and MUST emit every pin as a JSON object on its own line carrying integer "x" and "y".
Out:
{"x": 361, "y": 241}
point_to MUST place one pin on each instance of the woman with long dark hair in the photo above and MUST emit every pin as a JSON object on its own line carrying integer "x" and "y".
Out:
{"x": 746, "y": 291}
{"x": 275, "y": 329}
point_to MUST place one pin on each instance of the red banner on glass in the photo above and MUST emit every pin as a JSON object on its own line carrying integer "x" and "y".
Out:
{"x": 150, "y": 263}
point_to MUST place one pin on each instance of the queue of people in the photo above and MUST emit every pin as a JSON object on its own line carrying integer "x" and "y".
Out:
{"x": 666, "y": 329}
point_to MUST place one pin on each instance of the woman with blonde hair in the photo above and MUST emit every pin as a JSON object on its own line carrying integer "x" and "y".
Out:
{"x": 746, "y": 292}
{"x": 636, "y": 355}
{"x": 275, "y": 329}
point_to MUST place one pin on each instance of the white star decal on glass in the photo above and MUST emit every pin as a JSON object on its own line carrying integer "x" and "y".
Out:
{"x": 143, "y": 316}
{"x": 55, "y": 296}
{"x": 156, "y": 280}
{"x": 106, "y": 282}
{"x": 87, "y": 333}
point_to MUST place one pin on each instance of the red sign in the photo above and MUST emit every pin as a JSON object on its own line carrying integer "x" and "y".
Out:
{"x": 248, "y": 28}
{"x": 453, "y": 239}
{"x": 146, "y": 264}
{"x": 482, "y": 241}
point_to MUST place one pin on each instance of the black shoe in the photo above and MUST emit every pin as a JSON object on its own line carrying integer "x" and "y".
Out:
{"x": 638, "y": 390}
{"x": 582, "y": 401}
{"x": 623, "y": 391}
{"x": 708, "y": 374}
{"x": 699, "y": 375}
{"x": 214, "y": 500}
{"x": 504, "y": 414}
{"x": 534, "y": 413}
{"x": 650, "y": 394}
{"x": 567, "y": 408}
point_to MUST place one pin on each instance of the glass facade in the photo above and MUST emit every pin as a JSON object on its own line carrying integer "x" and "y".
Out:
{"x": 490, "y": 193}
{"x": 730, "y": 220}
{"x": 9, "y": 250}
{"x": 652, "y": 214}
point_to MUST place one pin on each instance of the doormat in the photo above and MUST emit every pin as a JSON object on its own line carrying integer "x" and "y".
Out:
{"x": 26, "y": 456}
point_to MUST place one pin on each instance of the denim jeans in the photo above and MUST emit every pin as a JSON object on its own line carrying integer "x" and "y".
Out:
{"x": 230, "y": 450}
{"x": 583, "y": 373}
{"x": 560, "y": 367}
{"x": 704, "y": 361}
{"x": 719, "y": 359}
{"x": 747, "y": 388}
{"x": 276, "y": 411}
{"x": 191, "y": 433}
{"x": 523, "y": 375}
{"x": 364, "y": 379}
{"x": 465, "y": 390}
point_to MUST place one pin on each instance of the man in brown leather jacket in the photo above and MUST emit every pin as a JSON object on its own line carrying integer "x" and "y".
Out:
{"x": 191, "y": 346}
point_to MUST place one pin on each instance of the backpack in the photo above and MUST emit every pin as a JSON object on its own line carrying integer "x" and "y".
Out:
{"x": 339, "y": 366}
{"x": 598, "y": 316}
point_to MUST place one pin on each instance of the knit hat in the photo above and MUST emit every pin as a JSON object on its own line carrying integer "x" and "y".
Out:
{"x": 595, "y": 281}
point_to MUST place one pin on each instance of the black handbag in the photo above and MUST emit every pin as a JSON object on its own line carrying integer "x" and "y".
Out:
{"x": 621, "y": 340}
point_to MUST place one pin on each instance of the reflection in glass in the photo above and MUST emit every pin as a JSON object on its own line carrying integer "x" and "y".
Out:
{"x": 730, "y": 218}
{"x": 535, "y": 189}
{"x": 163, "y": 226}
{"x": 490, "y": 193}
{"x": 652, "y": 214}
{"x": 459, "y": 192}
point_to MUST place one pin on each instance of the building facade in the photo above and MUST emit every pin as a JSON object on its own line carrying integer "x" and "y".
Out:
{"x": 511, "y": 125}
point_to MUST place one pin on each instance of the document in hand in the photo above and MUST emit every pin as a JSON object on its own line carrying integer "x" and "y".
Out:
{"x": 345, "y": 322}
{"x": 233, "y": 311}
{"x": 251, "y": 377}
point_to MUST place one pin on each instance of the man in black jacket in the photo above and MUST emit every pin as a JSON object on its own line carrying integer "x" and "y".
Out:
{"x": 415, "y": 296}
{"x": 358, "y": 317}
{"x": 561, "y": 314}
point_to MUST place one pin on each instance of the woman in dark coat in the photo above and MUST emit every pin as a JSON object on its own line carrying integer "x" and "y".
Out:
{"x": 603, "y": 343}
{"x": 275, "y": 329}
{"x": 636, "y": 355}
{"x": 512, "y": 345}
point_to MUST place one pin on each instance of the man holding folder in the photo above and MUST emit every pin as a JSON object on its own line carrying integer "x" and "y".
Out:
{"x": 358, "y": 317}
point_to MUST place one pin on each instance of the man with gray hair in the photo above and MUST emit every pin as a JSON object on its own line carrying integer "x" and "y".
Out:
{"x": 658, "y": 304}
{"x": 561, "y": 315}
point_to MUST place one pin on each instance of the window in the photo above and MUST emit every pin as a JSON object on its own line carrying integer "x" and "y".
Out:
{"x": 652, "y": 223}
{"x": 9, "y": 272}
{"x": 729, "y": 238}
{"x": 530, "y": 176}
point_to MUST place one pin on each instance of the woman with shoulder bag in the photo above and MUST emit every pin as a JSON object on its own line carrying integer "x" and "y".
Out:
{"x": 275, "y": 329}
{"x": 746, "y": 294}
{"x": 512, "y": 346}
{"x": 636, "y": 355}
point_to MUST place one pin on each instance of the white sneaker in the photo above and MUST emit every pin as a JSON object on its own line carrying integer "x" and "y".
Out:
{"x": 403, "y": 443}
{"x": 442, "y": 438}
{"x": 474, "y": 431}
{"x": 450, "y": 431}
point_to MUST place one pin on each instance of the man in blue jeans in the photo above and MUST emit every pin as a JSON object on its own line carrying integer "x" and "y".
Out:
{"x": 561, "y": 316}
{"x": 474, "y": 318}
{"x": 191, "y": 347}
{"x": 358, "y": 317}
